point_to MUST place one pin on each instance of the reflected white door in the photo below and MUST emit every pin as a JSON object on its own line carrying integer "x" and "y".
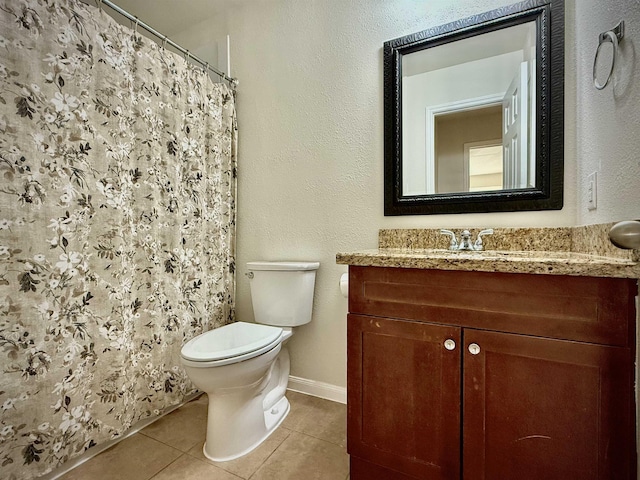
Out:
{"x": 515, "y": 132}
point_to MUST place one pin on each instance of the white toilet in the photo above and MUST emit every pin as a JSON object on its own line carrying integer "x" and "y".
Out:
{"x": 244, "y": 367}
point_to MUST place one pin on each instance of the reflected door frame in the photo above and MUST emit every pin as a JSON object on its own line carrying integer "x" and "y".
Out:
{"x": 431, "y": 112}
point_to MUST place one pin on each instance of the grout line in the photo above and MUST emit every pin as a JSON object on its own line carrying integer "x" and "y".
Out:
{"x": 322, "y": 439}
{"x": 169, "y": 445}
{"x": 271, "y": 454}
{"x": 162, "y": 443}
{"x": 317, "y": 438}
{"x": 306, "y": 435}
{"x": 192, "y": 455}
{"x": 199, "y": 461}
{"x": 165, "y": 467}
{"x": 295, "y": 428}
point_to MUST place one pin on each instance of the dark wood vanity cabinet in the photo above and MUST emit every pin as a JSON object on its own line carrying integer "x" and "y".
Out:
{"x": 490, "y": 376}
{"x": 403, "y": 397}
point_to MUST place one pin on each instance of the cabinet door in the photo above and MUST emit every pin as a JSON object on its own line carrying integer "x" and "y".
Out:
{"x": 536, "y": 408}
{"x": 404, "y": 396}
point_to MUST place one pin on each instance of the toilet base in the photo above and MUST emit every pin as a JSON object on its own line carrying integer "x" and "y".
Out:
{"x": 246, "y": 402}
{"x": 273, "y": 417}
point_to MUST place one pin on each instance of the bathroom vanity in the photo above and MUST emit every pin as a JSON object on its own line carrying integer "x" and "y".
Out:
{"x": 469, "y": 366}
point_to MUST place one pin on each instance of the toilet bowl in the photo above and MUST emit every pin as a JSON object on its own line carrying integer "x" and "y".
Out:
{"x": 244, "y": 367}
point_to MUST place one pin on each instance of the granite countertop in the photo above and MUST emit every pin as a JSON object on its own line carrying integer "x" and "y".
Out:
{"x": 535, "y": 262}
{"x": 578, "y": 251}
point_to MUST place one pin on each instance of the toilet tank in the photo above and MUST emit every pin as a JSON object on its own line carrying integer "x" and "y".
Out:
{"x": 282, "y": 292}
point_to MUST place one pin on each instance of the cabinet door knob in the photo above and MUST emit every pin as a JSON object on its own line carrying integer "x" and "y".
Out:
{"x": 449, "y": 344}
{"x": 474, "y": 349}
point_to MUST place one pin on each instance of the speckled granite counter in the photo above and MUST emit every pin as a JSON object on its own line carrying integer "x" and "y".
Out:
{"x": 426, "y": 249}
{"x": 537, "y": 262}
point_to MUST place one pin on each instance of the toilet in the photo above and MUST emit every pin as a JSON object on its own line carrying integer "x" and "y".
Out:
{"x": 244, "y": 367}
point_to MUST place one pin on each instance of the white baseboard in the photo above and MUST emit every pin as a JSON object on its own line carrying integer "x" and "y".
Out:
{"x": 318, "y": 389}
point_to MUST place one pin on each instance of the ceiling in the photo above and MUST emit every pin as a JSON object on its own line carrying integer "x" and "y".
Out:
{"x": 497, "y": 42}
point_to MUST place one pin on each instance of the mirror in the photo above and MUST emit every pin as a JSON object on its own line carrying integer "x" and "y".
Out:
{"x": 474, "y": 114}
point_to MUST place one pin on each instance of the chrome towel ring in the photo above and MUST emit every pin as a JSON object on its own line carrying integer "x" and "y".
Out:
{"x": 614, "y": 36}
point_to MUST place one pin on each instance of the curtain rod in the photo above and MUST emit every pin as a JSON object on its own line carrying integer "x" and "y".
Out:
{"x": 165, "y": 39}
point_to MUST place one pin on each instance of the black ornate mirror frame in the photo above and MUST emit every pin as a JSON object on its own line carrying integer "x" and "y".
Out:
{"x": 547, "y": 194}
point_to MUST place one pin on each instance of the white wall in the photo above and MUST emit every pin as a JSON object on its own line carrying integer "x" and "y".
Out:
{"x": 608, "y": 131}
{"x": 471, "y": 80}
{"x": 310, "y": 110}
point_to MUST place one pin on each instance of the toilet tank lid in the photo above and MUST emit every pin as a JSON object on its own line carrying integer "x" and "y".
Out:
{"x": 283, "y": 265}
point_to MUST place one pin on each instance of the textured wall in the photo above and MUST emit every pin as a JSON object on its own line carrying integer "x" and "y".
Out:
{"x": 608, "y": 131}
{"x": 311, "y": 146}
{"x": 310, "y": 154}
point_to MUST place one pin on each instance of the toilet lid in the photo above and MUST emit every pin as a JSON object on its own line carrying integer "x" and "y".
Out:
{"x": 231, "y": 341}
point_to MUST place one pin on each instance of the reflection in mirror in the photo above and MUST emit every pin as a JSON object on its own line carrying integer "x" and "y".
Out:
{"x": 469, "y": 112}
{"x": 484, "y": 163}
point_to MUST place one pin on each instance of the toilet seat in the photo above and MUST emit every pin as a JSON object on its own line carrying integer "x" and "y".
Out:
{"x": 231, "y": 344}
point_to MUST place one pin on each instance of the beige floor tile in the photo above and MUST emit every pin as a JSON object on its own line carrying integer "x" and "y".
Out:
{"x": 246, "y": 465}
{"x": 301, "y": 457}
{"x": 137, "y": 457}
{"x": 190, "y": 468}
{"x": 284, "y": 455}
{"x": 317, "y": 417}
{"x": 183, "y": 428}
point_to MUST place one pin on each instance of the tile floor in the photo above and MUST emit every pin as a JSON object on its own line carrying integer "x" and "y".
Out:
{"x": 309, "y": 445}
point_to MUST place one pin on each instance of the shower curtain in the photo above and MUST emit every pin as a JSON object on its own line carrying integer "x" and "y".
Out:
{"x": 117, "y": 225}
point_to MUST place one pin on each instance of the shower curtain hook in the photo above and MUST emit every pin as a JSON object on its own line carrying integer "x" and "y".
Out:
{"x": 135, "y": 29}
{"x": 164, "y": 42}
{"x": 206, "y": 67}
{"x": 186, "y": 55}
{"x": 99, "y": 4}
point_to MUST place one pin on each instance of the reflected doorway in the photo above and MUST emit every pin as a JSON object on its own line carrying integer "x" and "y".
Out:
{"x": 468, "y": 150}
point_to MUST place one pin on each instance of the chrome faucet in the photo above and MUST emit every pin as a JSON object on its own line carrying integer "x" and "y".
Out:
{"x": 465, "y": 240}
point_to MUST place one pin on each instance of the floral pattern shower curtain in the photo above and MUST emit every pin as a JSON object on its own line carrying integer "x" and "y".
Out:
{"x": 117, "y": 224}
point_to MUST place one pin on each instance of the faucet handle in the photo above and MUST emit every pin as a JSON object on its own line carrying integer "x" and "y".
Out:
{"x": 453, "y": 245}
{"x": 478, "y": 243}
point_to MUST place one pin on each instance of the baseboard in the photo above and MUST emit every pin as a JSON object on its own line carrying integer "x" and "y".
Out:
{"x": 318, "y": 389}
